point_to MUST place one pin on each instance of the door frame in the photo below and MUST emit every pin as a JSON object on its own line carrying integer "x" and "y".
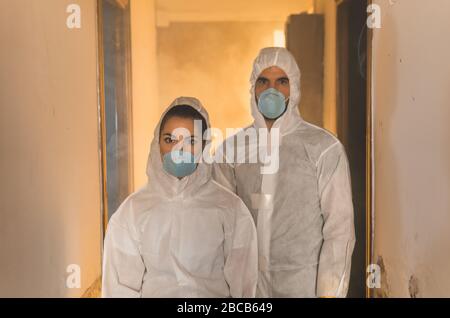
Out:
{"x": 369, "y": 164}
{"x": 121, "y": 4}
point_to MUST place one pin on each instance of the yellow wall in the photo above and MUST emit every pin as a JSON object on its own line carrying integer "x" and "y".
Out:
{"x": 145, "y": 109}
{"x": 229, "y": 10}
{"x": 218, "y": 74}
{"x": 206, "y": 49}
{"x": 212, "y": 61}
{"x": 49, "y": 165}
{"x": 328, "y": 9}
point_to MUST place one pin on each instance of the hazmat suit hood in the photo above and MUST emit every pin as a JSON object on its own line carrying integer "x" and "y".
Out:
{"x": 282, "y": 58}
{"x": 159, "y": 180}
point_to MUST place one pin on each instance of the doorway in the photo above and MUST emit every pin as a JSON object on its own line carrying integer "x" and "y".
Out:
{"x": 115, "y": 104}
{"x": 351, "y": 113}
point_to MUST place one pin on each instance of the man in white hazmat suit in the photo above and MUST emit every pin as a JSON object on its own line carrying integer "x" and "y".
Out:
{"x": 180, "y": 236}
{"x": 303, "y": 211}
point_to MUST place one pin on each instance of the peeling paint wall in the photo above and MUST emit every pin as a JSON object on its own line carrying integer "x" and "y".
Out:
{"x": 411, "y": 100}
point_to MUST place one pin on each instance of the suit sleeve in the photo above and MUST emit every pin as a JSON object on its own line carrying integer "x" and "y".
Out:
{"x": 223, "y": 172}
{"x": 338, "y": 231}
{"x": 241, "y": 253}
{"x": 123, "y": 267}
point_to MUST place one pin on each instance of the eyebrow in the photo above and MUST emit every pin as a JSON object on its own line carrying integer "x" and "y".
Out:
{"x": 266, "y": 79}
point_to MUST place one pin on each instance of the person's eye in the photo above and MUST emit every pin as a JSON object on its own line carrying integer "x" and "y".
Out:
{"x": 261, "y": 81}
{"x": 284, "y": 81}
{"x": 168, "y": 140}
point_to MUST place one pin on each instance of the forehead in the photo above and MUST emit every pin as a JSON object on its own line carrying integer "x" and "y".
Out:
{"x": 178, "y": 122}
{"x": 273, "y": 72}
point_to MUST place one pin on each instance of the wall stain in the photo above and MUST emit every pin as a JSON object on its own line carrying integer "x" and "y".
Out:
{"x": 382, "y": 292}
{"x": 413, "y": 287}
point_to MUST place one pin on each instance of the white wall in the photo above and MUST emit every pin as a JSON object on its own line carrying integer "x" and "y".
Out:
{"x": 49, "y": 165}
{"x": 411, "y": 100}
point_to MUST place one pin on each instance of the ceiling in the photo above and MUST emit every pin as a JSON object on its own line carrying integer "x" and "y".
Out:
{"x": 168, "y": 11}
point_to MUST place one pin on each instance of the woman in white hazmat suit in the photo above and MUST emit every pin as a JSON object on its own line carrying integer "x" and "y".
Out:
{"x": 303, "y": 211}
{"x": 180, "y": 236}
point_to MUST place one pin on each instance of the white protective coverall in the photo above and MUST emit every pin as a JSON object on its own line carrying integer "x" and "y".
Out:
{"x": 304, "y": 211}
{"x": 180, "y": 238}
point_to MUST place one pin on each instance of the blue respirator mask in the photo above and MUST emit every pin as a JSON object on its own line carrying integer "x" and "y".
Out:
{"x": 272, "y": 103}
{"x": 179, "y": 164}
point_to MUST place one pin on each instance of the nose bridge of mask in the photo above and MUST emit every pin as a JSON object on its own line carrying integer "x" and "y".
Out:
{"x": 181, "y": 156}
{"x": 273, "y": 91}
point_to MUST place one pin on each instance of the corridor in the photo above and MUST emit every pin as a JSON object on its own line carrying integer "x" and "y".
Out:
{"x": 84, "y": 83}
